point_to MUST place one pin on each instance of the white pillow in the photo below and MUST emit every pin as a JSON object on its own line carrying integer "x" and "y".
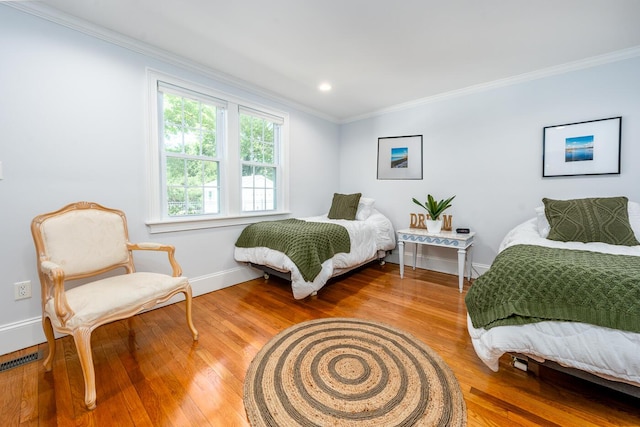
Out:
{"x": 365, "y": 208}
{"x": 634, "y": 217}
{"x": 633, "y": 208}
{"x": 543, "y": 223}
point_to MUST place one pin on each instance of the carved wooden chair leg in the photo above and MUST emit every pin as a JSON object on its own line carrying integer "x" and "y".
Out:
{"x": 188, "y": 301}
{"x": 82, "y": 338}
{"x": 51, "y": 340}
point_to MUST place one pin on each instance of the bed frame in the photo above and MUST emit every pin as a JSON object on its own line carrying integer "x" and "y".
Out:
{"x": 286, "y": 275}
{"x": 527, "y": 364}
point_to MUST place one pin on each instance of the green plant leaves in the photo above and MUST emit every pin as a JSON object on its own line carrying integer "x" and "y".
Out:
{"x": 419, "y": 204}
{"x": 434, "y": 208}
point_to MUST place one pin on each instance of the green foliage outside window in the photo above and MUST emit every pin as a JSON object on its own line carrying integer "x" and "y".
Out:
{"x": 258, "y": 155}
{"x": 192, "y": 172}
{"x": 257, "y": 142}
{"x": 191, "y": 157}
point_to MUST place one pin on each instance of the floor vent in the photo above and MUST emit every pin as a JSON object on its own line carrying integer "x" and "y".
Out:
{"x": 5, "y": 366}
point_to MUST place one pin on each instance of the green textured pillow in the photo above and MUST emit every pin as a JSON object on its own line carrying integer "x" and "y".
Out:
{"x": 344, "y": 206}
{"x": 600, "y": 219}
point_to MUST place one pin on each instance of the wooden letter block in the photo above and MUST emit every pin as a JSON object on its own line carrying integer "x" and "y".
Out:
{"x": 417, "y": 220}
{"x": 446, "y": 222}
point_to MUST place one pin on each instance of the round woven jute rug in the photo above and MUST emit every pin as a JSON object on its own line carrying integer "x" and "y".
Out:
{"x": 350, "y": 372}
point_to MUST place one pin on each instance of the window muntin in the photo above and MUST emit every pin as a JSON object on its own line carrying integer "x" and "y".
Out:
{"x": 189, "y": 150}
{"x": 199, "y": 169}
{"x": 260, "y": 138}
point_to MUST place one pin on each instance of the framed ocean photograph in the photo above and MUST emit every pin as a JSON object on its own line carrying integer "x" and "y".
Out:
{"x": 583, "y": 148}
{"x": 400, "y": 157}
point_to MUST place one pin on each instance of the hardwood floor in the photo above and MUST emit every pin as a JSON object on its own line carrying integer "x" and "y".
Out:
{"x": 150, "y": 373}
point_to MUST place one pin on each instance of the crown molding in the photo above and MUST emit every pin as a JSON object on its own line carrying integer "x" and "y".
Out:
{"x": 50, "y": 14}
{"x": 595, "y": 61}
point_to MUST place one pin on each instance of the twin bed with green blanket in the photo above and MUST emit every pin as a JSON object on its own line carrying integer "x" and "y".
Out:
{"x": 575, "y": 304}
{"x": 310, "y": 251}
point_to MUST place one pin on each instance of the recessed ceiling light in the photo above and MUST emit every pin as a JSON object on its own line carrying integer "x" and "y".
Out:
{"x": 324, "y": 87}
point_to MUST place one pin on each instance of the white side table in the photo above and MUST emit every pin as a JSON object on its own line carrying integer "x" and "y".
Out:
{"x": 444, "y": 239}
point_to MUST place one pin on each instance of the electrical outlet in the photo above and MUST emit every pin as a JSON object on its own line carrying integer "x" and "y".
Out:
{"x": 22, "y": 290}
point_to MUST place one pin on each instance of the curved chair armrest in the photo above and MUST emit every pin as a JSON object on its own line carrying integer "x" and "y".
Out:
{"x": 169, "y": 249}
{"x": 48, "y": 267}
{"x": 56, "y": 275}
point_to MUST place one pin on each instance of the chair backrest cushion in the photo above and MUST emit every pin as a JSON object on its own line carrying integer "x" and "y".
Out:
{"x": 84, "y": 241}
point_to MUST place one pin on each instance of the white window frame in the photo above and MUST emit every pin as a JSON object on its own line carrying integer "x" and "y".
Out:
{"x": 230, "y": 168}
{"x": 277, "y": 121}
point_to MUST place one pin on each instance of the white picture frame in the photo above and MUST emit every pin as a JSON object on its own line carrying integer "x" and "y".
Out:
{"x": 400, "y": 157}
{"x": 583, "y": 148}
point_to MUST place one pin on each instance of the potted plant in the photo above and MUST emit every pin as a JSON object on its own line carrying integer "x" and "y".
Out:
{"x": 434, "y": 209}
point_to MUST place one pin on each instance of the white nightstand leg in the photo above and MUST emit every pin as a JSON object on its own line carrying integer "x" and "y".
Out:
{"x": 470, "y": 260}
{"x": 415, "y": 256}
{"x": 462, "y": 256}
{"x": 401, "y": 250}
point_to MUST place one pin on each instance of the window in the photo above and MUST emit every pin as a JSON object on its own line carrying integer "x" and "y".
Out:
{"x": 214, "y": 159}
{"x": 259, "y": 142}
{"x": 190, "y": 128}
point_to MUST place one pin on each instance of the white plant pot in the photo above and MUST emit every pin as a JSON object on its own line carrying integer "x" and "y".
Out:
{"x": 434, "y": 226}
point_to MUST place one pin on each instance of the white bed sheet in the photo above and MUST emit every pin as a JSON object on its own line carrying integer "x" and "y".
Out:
{"x": 608, "y": 353}
{"x": 368, "y": 237}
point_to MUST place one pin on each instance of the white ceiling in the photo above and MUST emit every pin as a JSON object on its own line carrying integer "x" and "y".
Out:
{"x": 376, "y": 54}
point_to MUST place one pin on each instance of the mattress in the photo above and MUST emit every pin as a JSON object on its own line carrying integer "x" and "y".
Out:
{"x": 605, "y": 352}
{"x": 368, "y": 238}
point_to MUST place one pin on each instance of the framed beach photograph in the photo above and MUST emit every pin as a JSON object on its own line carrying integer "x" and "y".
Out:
{"x": 400, "y": 157}
{"x": 584, "y": 148}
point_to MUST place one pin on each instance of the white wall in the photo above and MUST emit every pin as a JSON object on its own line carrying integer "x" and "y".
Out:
{"x": 73, "y": 127}
{"x": 486, "y": 148}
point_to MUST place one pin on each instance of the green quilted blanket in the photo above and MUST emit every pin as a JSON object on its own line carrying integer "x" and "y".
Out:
{"x": 307, "y": 244}
{"x": 527, "y": 284}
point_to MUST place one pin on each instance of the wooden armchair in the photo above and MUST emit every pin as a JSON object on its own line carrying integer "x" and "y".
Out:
{"x": 83, "y": 240}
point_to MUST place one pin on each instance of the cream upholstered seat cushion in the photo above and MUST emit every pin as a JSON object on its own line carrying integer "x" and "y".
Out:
{"x": 86, "y": 240}
{"x": 105, "y": 298}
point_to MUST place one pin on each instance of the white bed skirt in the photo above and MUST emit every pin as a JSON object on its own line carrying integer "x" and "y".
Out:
{"x": 368, "y": 238}
{"x": 605, "y": 352}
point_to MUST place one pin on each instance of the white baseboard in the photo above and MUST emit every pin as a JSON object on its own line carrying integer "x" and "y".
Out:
{"x": 442, "y": 265}
{"x": 18, "y": 335}
{"x": 28, "y": 332}
{"x": 213, "y": 282}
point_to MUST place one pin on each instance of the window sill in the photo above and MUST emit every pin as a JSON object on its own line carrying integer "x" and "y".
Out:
{"x": 198, "y": 223}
